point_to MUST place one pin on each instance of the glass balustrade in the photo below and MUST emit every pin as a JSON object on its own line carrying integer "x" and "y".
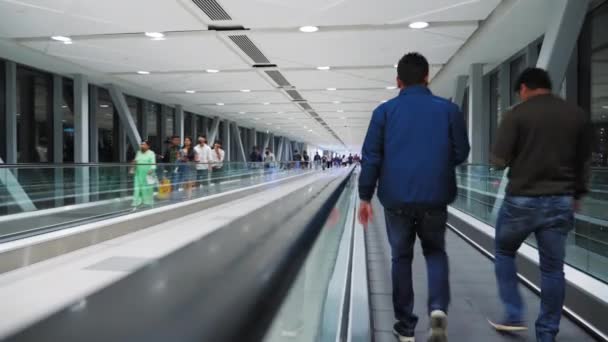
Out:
{"x": 45, "y": 197}
{"x": 481, "y": 190}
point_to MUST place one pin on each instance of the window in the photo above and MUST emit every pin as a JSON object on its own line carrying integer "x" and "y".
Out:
{"x": 593, "y": 56}
{"x": 188, "y": 125}
{"x": 170, "y": 122}
{"x": 67, "y": 107}
{"x": 107, "y": 128}
{"x": 495, "y": 109}
{"x": 34, "y": 116}
{"x": 515, "y": 69}
{"x": 153, "y": 118}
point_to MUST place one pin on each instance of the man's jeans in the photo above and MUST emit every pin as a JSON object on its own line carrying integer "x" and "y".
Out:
{"x": 550, "y": 218}
{"x": 402, "y": 226}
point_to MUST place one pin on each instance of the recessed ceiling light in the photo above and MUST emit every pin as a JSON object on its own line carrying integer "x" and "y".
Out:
{"x": 64, "y": 106}
{"x": 391, "y": 87}
{"x": 290, "y": 118}
{"x": 220, "y": 103}
{"x": 212, "y": 71}
{"x": 309, "y": 29}
{"x": 61, "y": 38}
{"x": 336, "y": 102}
{"x": 257, "y": 119}
{"x": 340, "y": 111}
{"x": 324, "y": 68}
{"x": 344, "y": 118}
{"x": 69, "y": 42}
{"x": 155, "y": 35}
{"x": 331, "y": 89}
{"x": 190, "y": 91}
{"x": 419, "y": 25}
{"x": 279, "y": 112}
{"x": 246, "y": 90}
{"x": 310, "y": 130}
{"x": 266, "y": 103}
{"x": 142, "y": 72}
{"x": 104, "y": 106}
{"x": 242, "y": 112}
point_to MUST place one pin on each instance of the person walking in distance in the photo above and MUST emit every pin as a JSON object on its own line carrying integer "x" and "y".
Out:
{"x": 217, "y": 161}
{"x": 545, "y": 142}
{"x": 412, "y": 146}
{"x": 203, "y": 160}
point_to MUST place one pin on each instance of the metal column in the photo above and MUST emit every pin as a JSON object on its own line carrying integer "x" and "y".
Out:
{"x": 93, "y": 131}
{"x": 179, "y": 122}
{"x": 479, "y": 128}
{"x": 227, "y": 143}
{"x": 561, "y": 36}
{"x": 163, "y": 128}
{"x": 11, "y": 112}
{"x": 81, "y": 137}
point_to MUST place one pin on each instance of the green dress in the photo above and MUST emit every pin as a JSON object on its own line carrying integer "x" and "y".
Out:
{"x": 143, "y": 193}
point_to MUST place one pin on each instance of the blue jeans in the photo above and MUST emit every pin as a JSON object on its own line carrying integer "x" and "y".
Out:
{"x": 402, "y": 226}
{"x": 550, "y": 218}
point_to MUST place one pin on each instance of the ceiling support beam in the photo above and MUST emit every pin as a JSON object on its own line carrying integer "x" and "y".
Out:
{"x": 125, "y": 115}
{"x": 212, "y": 135}
{"x": 561, "y": 37}
{"x": 12, "y": 186}
{"x": 240, "y": 149}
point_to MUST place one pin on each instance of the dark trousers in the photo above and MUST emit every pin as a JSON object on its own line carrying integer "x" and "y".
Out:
{"x": 429, "y": 225}
{"x": 549, "y": 218}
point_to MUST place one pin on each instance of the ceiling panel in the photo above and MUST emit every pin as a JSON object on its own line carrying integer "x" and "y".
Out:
{"x": 348, "y": 95}
{"x": 359, "y": 107}
{"x": 208, "y": 82}
{"x": 344, "y": 48}
{"x": 125, "y": 54}
{"x": 253, "y": 108}
{"x": 234, "y": 97}
{"x": 290, "y": 13}
{"x": 40, "y": 18}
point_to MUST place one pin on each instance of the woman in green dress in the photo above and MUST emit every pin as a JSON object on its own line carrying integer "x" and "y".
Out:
{"x": 145, "y": 164}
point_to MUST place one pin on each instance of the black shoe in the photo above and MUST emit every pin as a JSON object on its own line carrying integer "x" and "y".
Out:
{"x": 506, "y": 326}
{"x": 403, "y": 333}
{"x": 439, "y": 327}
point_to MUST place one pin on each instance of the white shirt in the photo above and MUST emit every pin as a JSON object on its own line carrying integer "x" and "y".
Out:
{"x": 203, "y": 154}
{"x": 269, "y": 157}
{"x": 217, "y": 161}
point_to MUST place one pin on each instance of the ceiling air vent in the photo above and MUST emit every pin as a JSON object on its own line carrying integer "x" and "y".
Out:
{"x": 249, "y": 48}
{"x": 212, "y": 9}
{"x": 295, "y": 95}
{"x": 278, "y": 78}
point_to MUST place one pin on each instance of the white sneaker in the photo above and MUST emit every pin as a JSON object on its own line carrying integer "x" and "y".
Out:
{"x": 439, "y": 326}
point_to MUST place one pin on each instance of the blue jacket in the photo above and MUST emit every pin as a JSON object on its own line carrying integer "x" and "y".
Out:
{"x": 413, "y": 144}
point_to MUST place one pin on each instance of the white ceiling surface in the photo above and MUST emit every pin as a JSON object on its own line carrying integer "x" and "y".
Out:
{"x": 353, "y": 40}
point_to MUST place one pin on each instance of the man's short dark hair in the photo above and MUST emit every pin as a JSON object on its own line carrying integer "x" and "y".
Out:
{"x": 413, "y": 69}
{"x": 533, "y": 78}
{"x": 175, "y": 137}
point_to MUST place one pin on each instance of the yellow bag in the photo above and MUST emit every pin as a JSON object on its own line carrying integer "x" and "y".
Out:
{"x": 164, "y": 189}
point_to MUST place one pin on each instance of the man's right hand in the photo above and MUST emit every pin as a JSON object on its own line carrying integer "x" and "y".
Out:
{"x": 366, "y": 212}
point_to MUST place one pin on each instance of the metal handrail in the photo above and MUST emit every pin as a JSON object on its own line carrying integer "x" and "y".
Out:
{"x": 227, "y": 286}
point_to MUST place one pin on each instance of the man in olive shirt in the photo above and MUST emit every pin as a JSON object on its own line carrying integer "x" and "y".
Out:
{"x": 545, "y": 142}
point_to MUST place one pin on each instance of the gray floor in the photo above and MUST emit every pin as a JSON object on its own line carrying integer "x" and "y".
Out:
{"x": 474, "y": 294}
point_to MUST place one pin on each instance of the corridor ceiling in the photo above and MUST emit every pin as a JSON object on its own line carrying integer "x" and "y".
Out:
{"x": 268, "y": 73}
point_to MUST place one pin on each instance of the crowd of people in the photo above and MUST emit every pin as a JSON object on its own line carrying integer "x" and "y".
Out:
{"x": 184, "y": 166}
{"x": 413, "y": 145}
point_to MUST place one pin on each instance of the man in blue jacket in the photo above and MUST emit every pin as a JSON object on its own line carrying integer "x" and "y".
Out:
{"x": 413, "y": 144}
